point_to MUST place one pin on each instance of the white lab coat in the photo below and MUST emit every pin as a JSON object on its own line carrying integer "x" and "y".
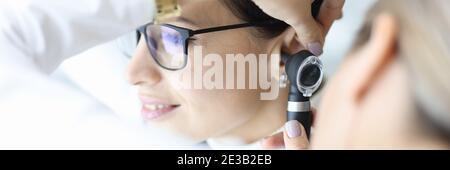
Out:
{"x": 37, "y": 112}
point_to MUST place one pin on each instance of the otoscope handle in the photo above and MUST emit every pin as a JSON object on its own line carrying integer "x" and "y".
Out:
{"x": 299, "y": 108}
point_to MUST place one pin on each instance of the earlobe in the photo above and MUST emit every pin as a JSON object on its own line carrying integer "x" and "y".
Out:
{"x": 375, "y": 55}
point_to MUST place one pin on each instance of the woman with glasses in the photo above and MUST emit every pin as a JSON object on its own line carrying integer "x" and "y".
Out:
{"x": 36, "y": 37}
{"x": 223, "y": 117}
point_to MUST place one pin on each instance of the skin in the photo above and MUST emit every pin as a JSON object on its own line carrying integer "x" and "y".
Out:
{"x": 218, "y": 114}
{"x": 297, "y": 13}
{"x": 239, "y": 115}
{"x": 375, "y": 109}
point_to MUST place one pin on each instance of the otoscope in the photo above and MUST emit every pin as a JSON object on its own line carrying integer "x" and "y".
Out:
{"x": 304, "y": 71}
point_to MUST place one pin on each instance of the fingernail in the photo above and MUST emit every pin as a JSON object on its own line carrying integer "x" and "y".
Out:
{"x": 293, "y": 129}
{"x": 315, "y": 48}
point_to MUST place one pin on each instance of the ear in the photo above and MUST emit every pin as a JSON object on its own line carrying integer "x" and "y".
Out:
{"x": 290, "y": 42}
{"x": 374, "y": 56}
{"x": 286, "y": 44}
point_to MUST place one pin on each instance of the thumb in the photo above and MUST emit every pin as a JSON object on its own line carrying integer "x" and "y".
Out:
{"x": 295, "y": 136}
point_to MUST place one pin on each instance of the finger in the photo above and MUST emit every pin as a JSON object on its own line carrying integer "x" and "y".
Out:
{"x": 310, "y": 34}
{"x": 295, "y": 136}
{"x": 330, "y": 11}
{"x": 275, "y": 141}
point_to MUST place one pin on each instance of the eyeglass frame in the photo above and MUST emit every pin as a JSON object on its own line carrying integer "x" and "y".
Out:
{"x": 187, "y": 35}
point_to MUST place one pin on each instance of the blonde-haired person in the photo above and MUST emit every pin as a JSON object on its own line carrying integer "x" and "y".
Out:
{"x": 393, "y": 89}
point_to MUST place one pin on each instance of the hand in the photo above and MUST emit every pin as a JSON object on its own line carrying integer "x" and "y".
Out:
{"x": 293, "y": 137}
{"x": 297, "y": 13}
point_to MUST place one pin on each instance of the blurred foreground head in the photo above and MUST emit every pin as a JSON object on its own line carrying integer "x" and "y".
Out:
{"x": 393, "y": 89}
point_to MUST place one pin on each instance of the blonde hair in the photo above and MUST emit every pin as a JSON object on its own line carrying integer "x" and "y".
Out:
{"x": 424, "y": 46}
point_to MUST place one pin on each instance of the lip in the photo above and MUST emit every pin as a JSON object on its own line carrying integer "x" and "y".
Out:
{"x": 154, "y": 109}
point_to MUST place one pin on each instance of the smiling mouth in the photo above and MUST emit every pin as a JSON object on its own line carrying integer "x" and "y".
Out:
{"x": 157, "y": 110}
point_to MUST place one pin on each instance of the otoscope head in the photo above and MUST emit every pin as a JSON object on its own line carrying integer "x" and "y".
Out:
{"x": 304, "y": 71}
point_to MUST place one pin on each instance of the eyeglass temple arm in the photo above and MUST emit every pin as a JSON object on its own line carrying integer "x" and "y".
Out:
{"x": 314, "y": 10}
{"x": 236, "y": 26}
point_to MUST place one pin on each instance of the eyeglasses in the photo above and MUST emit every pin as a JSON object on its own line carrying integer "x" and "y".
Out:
{"x": 169, "y": 44}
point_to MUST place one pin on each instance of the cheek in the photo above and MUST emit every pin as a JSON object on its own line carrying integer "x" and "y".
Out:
{"x": 237, "y": 41}
{"x": 200, "y": 73}
{"x": 221, "y": 43}
{"x": 208, "y": 113}
{"x": 219, "y": 110}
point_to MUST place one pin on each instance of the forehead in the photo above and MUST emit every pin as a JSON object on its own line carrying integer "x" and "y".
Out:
{"x": 206, "y": 13}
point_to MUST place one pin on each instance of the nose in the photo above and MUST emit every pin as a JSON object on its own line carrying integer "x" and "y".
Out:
{"x": 142, "y": 68}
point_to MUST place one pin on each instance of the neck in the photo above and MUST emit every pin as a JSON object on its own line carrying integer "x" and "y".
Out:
{"x": 271, "y": 117}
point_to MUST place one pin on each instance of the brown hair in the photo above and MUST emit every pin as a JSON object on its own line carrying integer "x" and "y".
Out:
{"x": 248, "y": 11}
